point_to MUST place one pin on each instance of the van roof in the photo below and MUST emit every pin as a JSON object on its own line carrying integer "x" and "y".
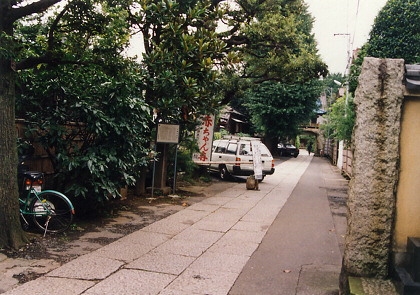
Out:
{"x": 233, "y": 137}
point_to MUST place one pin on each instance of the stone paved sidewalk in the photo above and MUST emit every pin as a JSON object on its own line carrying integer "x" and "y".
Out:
{"x": 199, "y": 250}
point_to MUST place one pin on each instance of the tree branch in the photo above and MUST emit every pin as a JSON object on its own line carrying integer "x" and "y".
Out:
{"x": 236, "y": 40}
{"x": 36, "y": 7}
{"x": 54, "y": 26}
{"x": 32, "y": 62}
{"x": 267, "y": 79}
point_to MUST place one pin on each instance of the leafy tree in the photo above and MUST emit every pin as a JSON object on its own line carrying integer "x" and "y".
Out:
{"x": 102, "y": 149}
{"x": 59, "y": 56}
{"x": 274, "y": 43}
{"x": 274, "y": 40}
{"x": 329, "y": 82}
{"x": 91, "y": 124}
{"x": 179, "y": 62}
{"x": 181, "y": 50}
{"x": 278, "y": 109}
{"x": 340, "y": 120}
{"x": 395, "y": 34}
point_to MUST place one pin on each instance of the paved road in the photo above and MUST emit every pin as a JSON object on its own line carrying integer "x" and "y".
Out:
{"x": 230, "y": 239}
{"x": 300, "y": 254}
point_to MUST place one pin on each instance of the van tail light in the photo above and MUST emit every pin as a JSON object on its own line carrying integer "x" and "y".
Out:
{"x": 238, "y": 160}
{"x": 272, "y": 163}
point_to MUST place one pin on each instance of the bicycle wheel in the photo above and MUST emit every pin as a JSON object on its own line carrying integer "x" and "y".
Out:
{"x": 51, "y": 211}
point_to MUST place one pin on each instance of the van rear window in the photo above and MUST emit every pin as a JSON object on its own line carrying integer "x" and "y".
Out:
{"x": 245, "y": 149}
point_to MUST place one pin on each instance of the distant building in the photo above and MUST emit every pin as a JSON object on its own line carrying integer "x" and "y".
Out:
{"x": 233, "y": 121}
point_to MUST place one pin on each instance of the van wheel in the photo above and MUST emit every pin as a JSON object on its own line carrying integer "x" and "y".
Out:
{"x": 224, "y": 173}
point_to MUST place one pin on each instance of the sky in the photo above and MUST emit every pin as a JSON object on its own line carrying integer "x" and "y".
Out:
{"x": 342, "y": 17}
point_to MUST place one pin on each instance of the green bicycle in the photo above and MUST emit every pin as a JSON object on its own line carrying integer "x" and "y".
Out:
{"x": 50, "y": 210}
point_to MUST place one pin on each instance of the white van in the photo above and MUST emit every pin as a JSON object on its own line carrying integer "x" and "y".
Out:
{"x": 228, "y": 155}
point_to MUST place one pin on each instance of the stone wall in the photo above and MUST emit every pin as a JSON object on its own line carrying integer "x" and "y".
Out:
{"x": 371, "y": 201}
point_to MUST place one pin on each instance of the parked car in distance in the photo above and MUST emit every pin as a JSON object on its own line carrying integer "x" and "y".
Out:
{"x": 229, "y": 154}
{"x": 287, "y": 149}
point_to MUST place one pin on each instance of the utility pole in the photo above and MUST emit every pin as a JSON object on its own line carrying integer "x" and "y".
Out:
{"x": 347, "y": 72}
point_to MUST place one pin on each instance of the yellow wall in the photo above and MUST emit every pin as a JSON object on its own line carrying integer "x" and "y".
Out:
{"x": 408, "y": 194}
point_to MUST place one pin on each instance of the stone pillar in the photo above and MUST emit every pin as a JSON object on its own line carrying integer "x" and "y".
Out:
{"x": 372, "y": 189}
{"x": 161, "y": 173}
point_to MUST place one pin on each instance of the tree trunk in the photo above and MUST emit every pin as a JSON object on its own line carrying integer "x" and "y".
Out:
{"x": 270, "y": 142}
{"x": 140, "y": 188}
{"x": 11, "y": 233}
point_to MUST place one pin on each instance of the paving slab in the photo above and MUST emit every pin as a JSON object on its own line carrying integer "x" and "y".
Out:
{"x": 236, "y": 247}
{"x": 220, "y": 262}
{"x": 166, "y": 226}
{"x": 242, "y": 203}
{"x": 204, "y": 207}
{"x": 87, "y": 267}
{"x": 52, "y": 286}
{"x": 203, "y": 281}
{"x": 243, "y": 236}
{"x": 318, "y": 279}
{"x": 162, "y": 262}
{"x": 187, "y": 217}
{"x": 146, "y": 238}
{"x": 12, "y": 269}
{"x": 218, "y": 200}
{"x": 217, "y": 226}
{"x": 178, "y": 292}
{"x": 198, "y": 235}
{"x": 226, "y": 214}
{"x": 251, "y": 226}
{"x": 123, "y": 251}
{"x": 129, "y": 281}
{"x": 180, "y": 247}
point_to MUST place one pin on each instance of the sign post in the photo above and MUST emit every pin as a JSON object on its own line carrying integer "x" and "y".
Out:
{"x": 166, "y": 133}
{"x": 256, "y": 159}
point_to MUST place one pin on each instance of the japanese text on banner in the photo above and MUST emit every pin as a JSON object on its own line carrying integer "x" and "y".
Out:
{"x": 204, "y": 137}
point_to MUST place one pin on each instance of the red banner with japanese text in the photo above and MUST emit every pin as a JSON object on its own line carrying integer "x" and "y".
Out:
{"x": 204, "y": 137}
